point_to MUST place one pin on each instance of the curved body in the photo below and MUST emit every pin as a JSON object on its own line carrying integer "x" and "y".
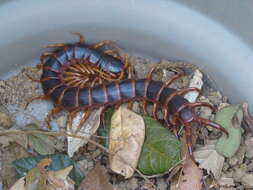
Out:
{"x": 79, "y": 64}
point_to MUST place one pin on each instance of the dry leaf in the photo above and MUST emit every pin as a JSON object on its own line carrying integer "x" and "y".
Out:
{"x": 59, "y": 180}
{"x": 96, "y": 180}
{"x": 87, "y": 129}
{"x": 126, "y": 139}
{"x": 195, "y": 82}
{"x": 191, "y": 176}
{"x": 19, "y": 185}
{"x": 209, "y": 159}
{"x": 39, "y": 178}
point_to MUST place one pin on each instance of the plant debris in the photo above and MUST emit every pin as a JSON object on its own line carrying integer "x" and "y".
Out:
{"x": 126, "y": 138}
{"x": 161, "y": 149}
{"x": 96, "y": 180}
{"x": 86, "y": 130}
{"x": 230, "y": 117}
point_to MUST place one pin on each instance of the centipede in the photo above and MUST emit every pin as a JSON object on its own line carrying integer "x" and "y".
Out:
{"x": 177, "y": 111}
{"x": 80, "y": 64}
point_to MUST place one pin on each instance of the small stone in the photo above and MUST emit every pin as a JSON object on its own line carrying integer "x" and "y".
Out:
{"x": 233, "y": 161}
{"x": 161, "y": 183}
{"x": 239, "y": 172}
{"x": 85, "y": 166}
{"x": 226, "y": 182}
{"x": 136, "y": 107}
{"x": 225, "y": 166}
{"x": 5, "y": 120}
{"x": 249, "y": 146}
{"x": 250, "y": 167}
{"x": 61, "y": 121}
{"x": 91, "y": 147}
{"x": 247, "y": 180}
{"x": 241, "y": 154}
{"x": 132, "y": 184}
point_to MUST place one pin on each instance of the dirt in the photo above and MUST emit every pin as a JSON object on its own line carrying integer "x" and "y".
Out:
{"x": 236, "y": 172}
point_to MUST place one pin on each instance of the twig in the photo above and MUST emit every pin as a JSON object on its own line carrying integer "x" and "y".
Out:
{"x": 6, "y": 132}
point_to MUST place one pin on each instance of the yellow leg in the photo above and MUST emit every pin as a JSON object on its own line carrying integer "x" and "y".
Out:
{"x": 58, "y": 45}
{"x": 82, "y": 121}
{"x": 42, "y": 97}
{"x": 105, "y": 43}
{"x": 51, "y": 114}
{"x": 81, "y": 37}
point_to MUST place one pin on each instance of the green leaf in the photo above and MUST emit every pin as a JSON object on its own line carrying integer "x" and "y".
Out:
{"x": 59, "y": 161}
{"x": 43, "y": 144}
{"x": 104, "y": 129}
{"x": 229, "y": 117}
{"x": 161, "y": 149}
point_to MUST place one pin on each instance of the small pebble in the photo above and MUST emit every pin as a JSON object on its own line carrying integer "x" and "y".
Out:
{"x": 161, "y": 184}
{"x": 247, "y": 180}
{"x": 249, "y": 146}
{"x": 132, "y": 184}
{"x": 239, "y": 172}
{"x": 61, "y": 121}
{"x": 5, "y": 120}
{"x": 233, "y": 161}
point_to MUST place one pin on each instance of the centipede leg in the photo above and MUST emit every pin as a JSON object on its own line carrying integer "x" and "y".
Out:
{"x": 51, "y": 114}
{"x": 31, "y": 78}
{"x": 81, "y": 37}
{"x": 57, "y": 45}
{"x": 105, "y": 43}
{"x": 211, "y": 124}
{"x": 83, "y": 120}
{"x": 71, "y": 116}
{"x": 113, "y": 53}
{"x": 130, "y": 76}
{"x": 44, "y": 55}
{"x": 188, "y": 136}
{"x": 42, "y": 97}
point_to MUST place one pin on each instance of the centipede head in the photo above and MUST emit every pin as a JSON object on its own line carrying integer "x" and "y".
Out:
{"x": 186, "y": 116}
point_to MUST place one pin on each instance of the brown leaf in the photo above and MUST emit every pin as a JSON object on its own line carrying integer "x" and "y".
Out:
{"x": 39, "y": 178}
{"x": 126, "y": 139}
{"x": 191, "y": 175}
{"x": 59, "y": 180}
{"x": 96, "y": 180}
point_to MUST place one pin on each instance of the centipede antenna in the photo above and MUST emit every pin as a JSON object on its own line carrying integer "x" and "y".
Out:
{"x": 205, "y": 104}
{"x": 211, "y": 124}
